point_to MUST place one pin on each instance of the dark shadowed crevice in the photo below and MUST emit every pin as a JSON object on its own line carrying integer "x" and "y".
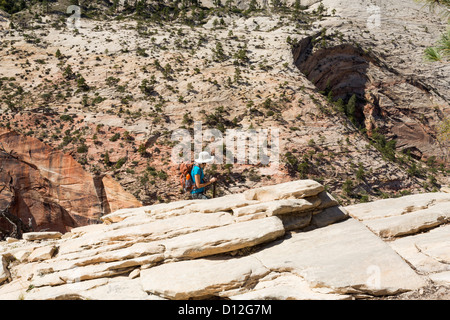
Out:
{"x": 387, "y": 105}
{"x": 101, "y": 194}
{"x": 339, "y": 71}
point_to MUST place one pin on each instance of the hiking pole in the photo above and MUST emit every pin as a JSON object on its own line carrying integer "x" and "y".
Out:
{"x": 214, "y": 189}
{"x": 224, "y": 186}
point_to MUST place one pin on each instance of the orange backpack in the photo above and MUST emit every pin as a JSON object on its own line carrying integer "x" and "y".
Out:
{"x": 186, "y": 181}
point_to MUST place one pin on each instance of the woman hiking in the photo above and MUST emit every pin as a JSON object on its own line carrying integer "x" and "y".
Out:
{"x": 198, "y": 192}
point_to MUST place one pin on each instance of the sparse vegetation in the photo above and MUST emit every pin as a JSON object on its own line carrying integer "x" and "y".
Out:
{"x": 443, "y": 46}
{"x": 164, "y": 65}
{"x": 432, "y": 54}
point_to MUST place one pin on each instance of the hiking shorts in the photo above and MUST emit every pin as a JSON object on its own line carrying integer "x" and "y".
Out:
{"x": 199, "y": 195}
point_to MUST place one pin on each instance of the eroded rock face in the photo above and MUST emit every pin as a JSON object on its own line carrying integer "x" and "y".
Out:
{"x": 52, "y": 191}
{"x": 395, "y": 89}
{"x": 231, "y": 248}
{"x": 346, "y": 70}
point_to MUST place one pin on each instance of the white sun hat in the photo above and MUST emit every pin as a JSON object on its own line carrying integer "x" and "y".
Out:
{"x": 204, "y": 157}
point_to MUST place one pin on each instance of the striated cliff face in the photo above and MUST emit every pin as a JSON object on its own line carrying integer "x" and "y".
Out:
{"x": 50, "y": 190}
{"x": 386, "y": 99}
{"x": 284, "y": 241}
{"x": 375, "y": 52}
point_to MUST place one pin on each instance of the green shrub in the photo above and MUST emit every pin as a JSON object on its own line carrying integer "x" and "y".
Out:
{"x": 360, "y": 174}
{"x": 120, "y": 162}
{"x": 387, "y": 148}
{"x": 141, "y": 52}
{"x": 115, "y": 137}
{"x": 347, "y": 187}
{"x": 66, "y": 117}
{"x": 162, "y": 175}
{"x": 82, "y": 149}
{"x": 81, "y": 83}
{"x": 432, "y": 54}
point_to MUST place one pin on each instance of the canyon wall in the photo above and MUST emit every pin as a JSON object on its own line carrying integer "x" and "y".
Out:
{"x": 50, "y": 190}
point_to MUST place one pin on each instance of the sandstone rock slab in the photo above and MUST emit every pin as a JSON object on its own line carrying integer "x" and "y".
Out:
{"x": 328, "y": 216}
{"x": 31, "y": 236}
{"x": 122, "y": 214}
{"x": 201, "y": 278}
{"x": 436, "y": 246}
{"x": 22, "y": 255}
{"x": 160, "y": 208}
{"x": 14, "y": 290}
{"x": 69, "y": 291}
{"x": 42, "y": 253}
{"x": 115, "y": 253}
{"x": 225, "y": 203}
{"x": 278, "y": 207}
{"x": 441, "y": 278}
{"x": 4, "y": 272}
{"x": 412, "y": 222}
{"x": 326, "y": 200}
{"x": 224, "y": 239}
{"x": 118, "y": 288}
{"x": 94, "y": 271}
{"x": 344, "y": 256}
{"x": 428, "y": 252}
{"x": 396, "y": 206}
{"x": 172, "y": 226}
{"x": 181, "y": 251}
{"x": 288, "y": 190}
{"x": 286, "y": 286}
{"x": 296, "y": 221}
{"x": 147, "y": 230}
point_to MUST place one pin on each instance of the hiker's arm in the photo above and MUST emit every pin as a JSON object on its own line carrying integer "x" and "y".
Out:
{"x": 202, "y": 185}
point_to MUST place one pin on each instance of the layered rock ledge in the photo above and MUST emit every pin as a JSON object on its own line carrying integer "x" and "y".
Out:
{"x": 286, "y": 241}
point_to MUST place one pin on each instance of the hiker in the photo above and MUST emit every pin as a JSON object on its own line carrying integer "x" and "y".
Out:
{"x": 198, "y": 192}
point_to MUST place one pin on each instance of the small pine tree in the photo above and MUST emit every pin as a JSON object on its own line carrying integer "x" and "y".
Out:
{"x": 219, "y": 52}
{"x": 81, "y": 83}
{"x": 237, "y": 75}
{"x": 351, "y": 108}
{"x": 106, "y": 159}
{"x": 347, "y": 187}
{"x": 360, "y": 173}
{"x": 58, "y": 54}
{"x": 68, "y": 73}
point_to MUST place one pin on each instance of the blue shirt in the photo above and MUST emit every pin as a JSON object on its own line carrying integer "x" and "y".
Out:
{"x": 197, "y": 170}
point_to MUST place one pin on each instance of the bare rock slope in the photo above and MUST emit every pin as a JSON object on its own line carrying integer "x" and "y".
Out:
{"x": 286, "y": 241}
